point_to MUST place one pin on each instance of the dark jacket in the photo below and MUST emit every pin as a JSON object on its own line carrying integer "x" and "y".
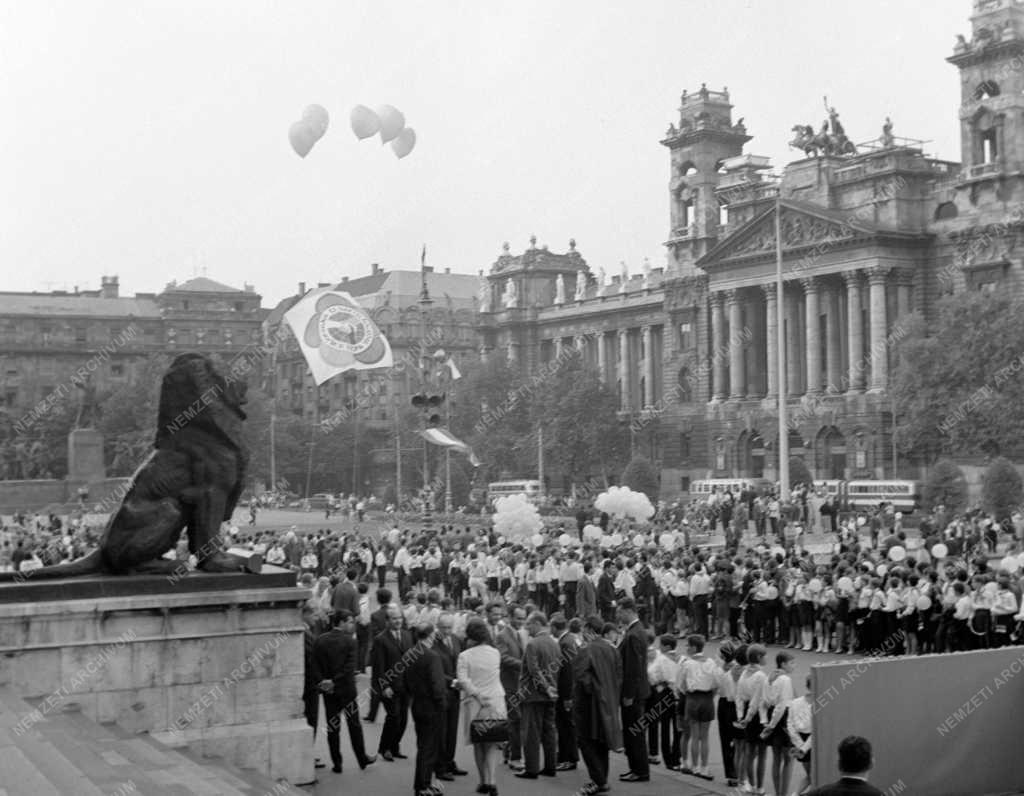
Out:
{"x": 510, "y": 647}
{"x": 378, "y": 622}
{"x": 597, "y": 671}
{"x": 846, "y": 786}
{"x": 334, "y": 657}
{"x": 449, "y": 661}
{"x": 425, "y": 684}
{"x": 586, "y": 597}
{"x": 385, "y": 655}
{"x": 605, "y": 591}
{"x": 633, "y": 650}
{"x": 567, "y": 650}
{"x": 345, "y": 596}
{"x": 538, "y": 681}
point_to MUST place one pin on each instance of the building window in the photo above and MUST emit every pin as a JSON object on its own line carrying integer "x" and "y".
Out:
{"x": 946, "y": 211}
{"x": 723, "y": 215}
{"x": 989, "y": 149}
{"x": 684, "y": 448}
{"x": 239, "y": 306}
{"x": 986, "y": 90}
{"x": 116, "y": 369}
{"x": 11, "y": 398}
{"x": 184, "y": 306}
{"x": 684, "y": 337}
{"x": 80, "y": 334}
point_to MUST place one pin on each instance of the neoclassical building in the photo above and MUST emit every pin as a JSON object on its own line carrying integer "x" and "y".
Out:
{"x": 867, "y": 237}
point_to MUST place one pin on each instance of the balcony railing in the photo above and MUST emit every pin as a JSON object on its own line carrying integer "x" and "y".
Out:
{"x": 982, "y": 170}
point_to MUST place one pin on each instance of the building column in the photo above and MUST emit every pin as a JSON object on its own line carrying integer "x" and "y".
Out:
{"x": 833, "y": 349}
{"x": 558, "y": 348}
{"x": 737, "y": 372}
{"x": 648, "y": 367}
{"x": 812, "y": 331}
{"x": 624, "y": 402}
{"x": 602, "y": 358}
{"x": 771, "y": 326}
{"x": 794, "y": 365}
{"x": 717, "y": 343}
{"x": 484, "y": 352}
{"x": 855, "y": 332}
{"x": 879, "y": 329}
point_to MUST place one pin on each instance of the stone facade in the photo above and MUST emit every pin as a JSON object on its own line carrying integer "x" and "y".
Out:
{"x": 47, "y": 338}
{"x": 867, "y": 239}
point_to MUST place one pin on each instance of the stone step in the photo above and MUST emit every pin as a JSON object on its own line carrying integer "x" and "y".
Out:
{"x": 64, "y": 752}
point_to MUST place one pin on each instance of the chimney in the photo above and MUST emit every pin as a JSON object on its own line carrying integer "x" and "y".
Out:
{"x": 323, "y": 284}
{"x": 108, "y": 287}
{"x": 302, "y": 288}
{"x": 344, "y": 279}
{"x": 375, "y": 269}
{"x": 447, "y": 270}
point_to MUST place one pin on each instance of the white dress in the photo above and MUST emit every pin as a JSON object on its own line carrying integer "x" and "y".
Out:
{"x": 479, "y": 673}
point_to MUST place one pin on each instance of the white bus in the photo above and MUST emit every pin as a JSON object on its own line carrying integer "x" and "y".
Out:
{"x": 905, "y": 496}
{"x": 702, "y": 489}
{"x": 500, "y": 489}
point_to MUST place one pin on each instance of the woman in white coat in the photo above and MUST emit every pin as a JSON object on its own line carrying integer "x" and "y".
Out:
{"x": 478, "y": 673}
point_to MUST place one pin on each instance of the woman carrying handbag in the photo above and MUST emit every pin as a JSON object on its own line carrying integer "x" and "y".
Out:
{"x": 484, "y": 714}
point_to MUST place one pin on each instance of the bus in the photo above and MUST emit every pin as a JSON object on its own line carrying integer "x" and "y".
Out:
{"x": 702, "y": 489}
{"x": 905, "y": 496}
{"x": 500, "y": 489}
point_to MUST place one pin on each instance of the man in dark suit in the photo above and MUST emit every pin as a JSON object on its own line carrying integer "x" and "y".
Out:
{"x": 855, "y": 762}
{"x": 582, "y": 518}
{"x": 606, "y": 592}
{"x": 586, "y": 594}
{"x": 428, "y": 694}
{"x": 509, "y": 643}
{"x": 635, "y": 691}
{"x": 334, "y": 658}
{"x": 597, "y": 675}
{"x": 448, "y": 647}
{"x": 538, "y": 687}
{"x": 378, "y": 624}
{"x": 387, "y": 656}
{"x": 345, "y": 597}
{"x": 565, "y": 725}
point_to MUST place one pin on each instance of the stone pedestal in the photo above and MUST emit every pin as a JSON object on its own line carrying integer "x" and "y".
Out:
{"x": 213, "y": 662}
{"x": 85, "y": 456}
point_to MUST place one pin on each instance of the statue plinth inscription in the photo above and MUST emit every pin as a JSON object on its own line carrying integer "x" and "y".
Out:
{"x": 85, "y": 456}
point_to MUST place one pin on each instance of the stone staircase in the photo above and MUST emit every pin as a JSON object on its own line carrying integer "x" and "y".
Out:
{"x": 64, "y": 753}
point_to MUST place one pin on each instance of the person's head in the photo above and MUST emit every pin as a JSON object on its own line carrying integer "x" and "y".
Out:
{"x": 517, "y": 617}
{"x": 854, "y": 755}
{"x": 433, "y": 596}
{"x": 394, "y": 618}
{"x": 424, "y": 632}
{"x": 495, "y": 611}
{"x": 536, "y": 624}
{"x": 609, "y": 632}
{"x": 383, "y": 597}
{"x": 342, "y": 620}
{"x": 362, "y": 588}
{"x": 351, "y": 574}
{"x": 592, "y": 627}
{"x": 476, "y": 631}
{"x": 308, "y": 615}
{"x": 667, "y": 643}
{"x": 694, "y": 644}
{"x": 727, "y": 652}
{"x": 784, "y": 661}
{"x": 627, "y": 610}
{"x": 575, "y": 625}
{"x": 445, "y": 624}
{"x": 755, "y": 654}
{"x": 559, "y": 624}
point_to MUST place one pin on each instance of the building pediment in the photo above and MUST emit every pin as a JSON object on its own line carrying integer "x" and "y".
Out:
{"x": 804, "y": 226}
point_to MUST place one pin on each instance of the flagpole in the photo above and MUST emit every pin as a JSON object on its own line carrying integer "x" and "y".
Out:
{"x": 398, "y": 461}
{"x": 780, "y": 346}
{"x": 425, "y": 303}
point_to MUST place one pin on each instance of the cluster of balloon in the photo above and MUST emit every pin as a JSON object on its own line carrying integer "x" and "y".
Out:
{"x": 516, "y": 516}
{"x": 308, "y": 130}
{"x": 389, "y": 122}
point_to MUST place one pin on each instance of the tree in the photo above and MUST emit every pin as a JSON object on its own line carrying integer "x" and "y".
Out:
{"x": 640, "y": 476}
{"x": 128, "y": 417}
{"x": 946, "y": 486}
{"x": 1002, "y": 489}
{"x": 798, "y": 472}
{"x": 959, "y": 396}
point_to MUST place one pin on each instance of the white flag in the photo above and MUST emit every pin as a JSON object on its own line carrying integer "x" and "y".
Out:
{"x": 444, "y": 438}
{"x": 453, "y": 368}
{"x": 336, "y": 334}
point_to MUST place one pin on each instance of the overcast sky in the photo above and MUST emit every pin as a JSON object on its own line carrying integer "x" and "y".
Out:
{"x": 150, "y": 139}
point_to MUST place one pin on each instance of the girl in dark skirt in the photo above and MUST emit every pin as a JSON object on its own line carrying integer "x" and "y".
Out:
{"x": 778, "y": 695}
{"x": 750, "y": 706}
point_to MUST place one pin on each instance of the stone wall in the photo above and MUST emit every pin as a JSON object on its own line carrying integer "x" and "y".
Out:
{"x": 33, "y": 495}
{"x": 221, "y": 671}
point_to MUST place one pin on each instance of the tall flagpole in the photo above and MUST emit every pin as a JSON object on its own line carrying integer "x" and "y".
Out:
{"x": 780, "y": 346}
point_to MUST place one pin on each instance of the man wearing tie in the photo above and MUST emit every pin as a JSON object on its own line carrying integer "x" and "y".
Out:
{"x": 378, "y": 624}
{"x": 635, "y": 691}
{"x": 388, "y": 651}
{"x": 448, "y": 647}
{"x": 606, "y": 591}
{"x": 511, "y": 645}
{"x": 428, "y": 694}
{"x": 565, "y": 726}
{"x": 334, "y": 658}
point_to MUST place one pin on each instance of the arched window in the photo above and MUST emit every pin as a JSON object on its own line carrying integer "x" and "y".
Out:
{"x": 945, "y": 211}
{"x": 685, "y": 388}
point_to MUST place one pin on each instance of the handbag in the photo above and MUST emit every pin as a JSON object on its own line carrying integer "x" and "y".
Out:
{"x": 488, "y": 730}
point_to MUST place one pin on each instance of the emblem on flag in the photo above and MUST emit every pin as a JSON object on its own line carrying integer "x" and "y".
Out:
{"x": 336, "y": 335}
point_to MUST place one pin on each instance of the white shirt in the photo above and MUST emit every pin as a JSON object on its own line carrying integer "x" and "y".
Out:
{"x": 799, "y": 721}
{"x": 662, "y": 670}
{"x": 698, "y": 674}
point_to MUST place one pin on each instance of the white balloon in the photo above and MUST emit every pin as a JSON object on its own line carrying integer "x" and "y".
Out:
{"x": 364, "y": 121}
{"x": 897, "y": 553}
{"x": 616, "y": 539}
{"x": 404, "y": 142}
{"x": 537, "y": 540}
{"x": 1010, "y": 564}
{"x": 638, "y": 540}
{"x": 391, "y": 122}
{"x": 668, "y": 541}
{"x": 317, "y": 118}
{"x": 302, "y": 136}
{"x": 881, "y": 570}
{"x": 845, "y": 584}
{"x": 814, "y": 586}
{"x": 940, "y": 550}
{"x": 564, "y": 539}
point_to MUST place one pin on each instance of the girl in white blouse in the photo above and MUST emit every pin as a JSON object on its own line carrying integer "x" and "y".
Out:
{"x": 777, "y": 696}
{"x": 798, "y": 725}
{"x": 750, "y": 707}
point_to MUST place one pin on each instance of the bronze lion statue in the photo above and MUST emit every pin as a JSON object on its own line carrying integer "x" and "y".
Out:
{"x": 191, "y": 480}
